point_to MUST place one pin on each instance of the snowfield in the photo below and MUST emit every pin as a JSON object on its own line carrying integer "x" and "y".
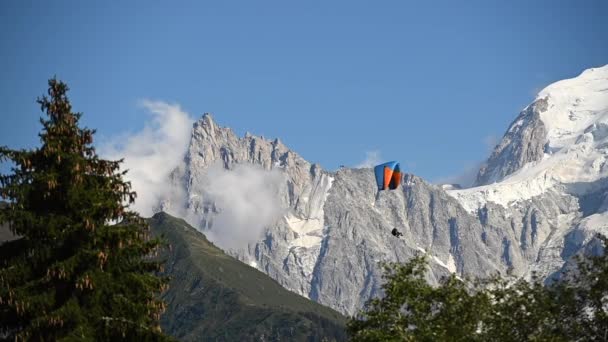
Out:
{"x": 576, "y": 145}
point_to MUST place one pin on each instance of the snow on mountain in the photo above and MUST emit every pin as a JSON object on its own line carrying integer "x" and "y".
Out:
{"x": 301, "y": 192}
{"x": 539, "y": 199}
{"x": 570, "y": 119}
{"x": 334, "y": 227}
{"x": 575, "y": 105}
{"x": 522, "y": 143}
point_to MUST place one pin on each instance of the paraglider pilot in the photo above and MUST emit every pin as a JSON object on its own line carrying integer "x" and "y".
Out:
{"x": 396, "y": 233}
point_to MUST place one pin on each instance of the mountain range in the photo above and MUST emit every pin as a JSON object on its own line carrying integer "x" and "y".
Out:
{"x": 537, "y": 201}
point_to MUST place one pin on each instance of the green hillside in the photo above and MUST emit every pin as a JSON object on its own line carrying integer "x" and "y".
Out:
{"x": 214, "y": 297}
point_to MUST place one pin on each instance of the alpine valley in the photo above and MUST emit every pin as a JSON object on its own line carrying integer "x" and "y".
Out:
{"x": 537, "y": 201}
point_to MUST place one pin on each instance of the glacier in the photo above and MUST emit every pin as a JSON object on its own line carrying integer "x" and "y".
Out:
{"x": 555, "y": 150}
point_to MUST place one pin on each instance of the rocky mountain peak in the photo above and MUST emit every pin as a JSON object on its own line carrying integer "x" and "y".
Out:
{"x": 207, "y": 119}
{"x": 550, "y": 173}
{"x": 333, "y": 219}
{"x": 523, "y": 143}
{"x": 555, "y": 124}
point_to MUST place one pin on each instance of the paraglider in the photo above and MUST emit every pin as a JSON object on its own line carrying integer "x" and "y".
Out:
{"x": 388, "y": 175}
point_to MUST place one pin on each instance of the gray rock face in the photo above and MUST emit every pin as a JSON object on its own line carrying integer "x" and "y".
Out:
{"x": 359, "y": 222}
{"x": 335, "y": 229}
{"x": 524, "y": 142}
{"x": 302, "y": 194}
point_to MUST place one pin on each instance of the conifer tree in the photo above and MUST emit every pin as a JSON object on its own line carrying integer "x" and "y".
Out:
{"x": 74, "y": 274}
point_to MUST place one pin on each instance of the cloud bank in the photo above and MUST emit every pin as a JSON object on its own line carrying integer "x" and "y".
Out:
{"x": 248, "y": 201}
{"x": 246, "y": 197}
{"x": 151, "y": 154}
{"x": 467, "y": 176}
{"x": 372, "y": 158}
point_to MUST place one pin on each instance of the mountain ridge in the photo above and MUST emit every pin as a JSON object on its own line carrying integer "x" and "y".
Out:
{"x": 214, "y": 297}
{"x": 335, "y": 227}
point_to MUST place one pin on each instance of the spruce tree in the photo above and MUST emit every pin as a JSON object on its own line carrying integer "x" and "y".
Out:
{"x": 74, "y": 274}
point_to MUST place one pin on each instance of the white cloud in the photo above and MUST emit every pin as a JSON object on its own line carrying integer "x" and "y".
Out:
{"x": 151, "y": 154}
{"x": 464, "y": 178}
{"x": 467, "y": 176}
{"x": 246, "y": 197}
{"x": 248, "y": 200}
{"x": 490, "y": 142}
{"x": 372, "y": 158}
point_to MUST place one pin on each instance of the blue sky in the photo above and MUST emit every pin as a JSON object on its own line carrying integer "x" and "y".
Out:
{"x": 428, "y": 83}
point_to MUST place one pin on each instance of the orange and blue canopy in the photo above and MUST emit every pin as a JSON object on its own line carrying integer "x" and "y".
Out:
{"x": 388, "y": 175}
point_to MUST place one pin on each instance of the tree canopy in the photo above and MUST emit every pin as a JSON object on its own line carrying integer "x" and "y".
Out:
{"x": 572, "y": 309}
{"x": 74, "y": 273}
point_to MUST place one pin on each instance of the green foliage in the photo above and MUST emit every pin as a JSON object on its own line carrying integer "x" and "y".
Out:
{"x": 591, "y": 295}
{"x": 412, "y": 310}
{"x": 491, "y": 310}
{"x": 72, "y": 275}
{"x": 525, "y": 311}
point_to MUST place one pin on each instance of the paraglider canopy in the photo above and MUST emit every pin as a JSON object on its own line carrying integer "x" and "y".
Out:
{"x": 388, "y": 175}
